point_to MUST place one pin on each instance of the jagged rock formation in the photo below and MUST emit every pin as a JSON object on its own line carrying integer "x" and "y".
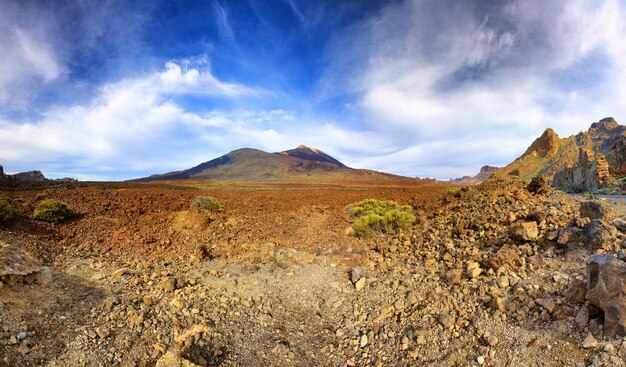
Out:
{"x": 25, "y": 179}
{"x": 589, "y": 174}
{"x": 587, "y": 161}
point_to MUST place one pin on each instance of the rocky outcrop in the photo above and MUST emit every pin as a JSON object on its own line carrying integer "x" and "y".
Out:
{"x": 589, "y": 174}
{"x": 485, "y": 173}
{"x": 606, "y": 289}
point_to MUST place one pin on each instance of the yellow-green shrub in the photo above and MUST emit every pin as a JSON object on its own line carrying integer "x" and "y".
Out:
{"x": 207, "y": 203}
{"x": 385, "y": 216}
{"x": 7, "y": 210}
{"x": 53, "y": 211}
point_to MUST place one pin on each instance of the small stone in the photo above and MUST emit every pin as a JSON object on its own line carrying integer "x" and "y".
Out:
{"x": 21, "y": 335}
{"x": 350, "y": 362}
{"x": 92, "y": 334}
{"x": 474, "y": 272}
{"x": 103, "y": 332}
{"x": 547, "y": 303}
{"x": 609, "y": 348}
{"x": 160, "y": 347}
{"x": 590, "y": 342}
{"x": 360, "y": 284}
{"x": 120, "y": 272}
{"x": 454, "y": 275}
{"x": 480, "y": 360}
{"x": 363, "y": 340}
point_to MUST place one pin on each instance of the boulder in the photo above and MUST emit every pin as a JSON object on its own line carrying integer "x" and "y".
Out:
{"x": 17, "y": 261}
{"x": 524, "y": 231}
{"x": 592, "y": 210}
{"x": 599, "y": 234}
{"x": 606, "y": 289}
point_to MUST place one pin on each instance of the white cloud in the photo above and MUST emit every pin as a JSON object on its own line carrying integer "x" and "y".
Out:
{"x": 447, "y": 82}
{"x": 128, "y": 120}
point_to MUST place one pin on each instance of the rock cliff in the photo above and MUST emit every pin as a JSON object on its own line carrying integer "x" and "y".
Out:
{"x": 589, "y": 174}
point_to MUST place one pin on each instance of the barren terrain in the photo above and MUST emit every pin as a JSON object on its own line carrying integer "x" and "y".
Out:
{"x": 273, "y": 279}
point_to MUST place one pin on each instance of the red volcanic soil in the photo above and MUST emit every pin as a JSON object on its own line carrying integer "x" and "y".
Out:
{"x": 157, "y": 220}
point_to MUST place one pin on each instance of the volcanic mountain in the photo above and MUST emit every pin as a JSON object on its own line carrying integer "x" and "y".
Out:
{"x": 299, "y": 164}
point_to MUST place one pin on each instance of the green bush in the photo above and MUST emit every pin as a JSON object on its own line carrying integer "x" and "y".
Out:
{"x": 385, "y": 216}
{"x": 207, "y": 203}
{"x": 7, "y": 210}
{"x": 53, "y": 211}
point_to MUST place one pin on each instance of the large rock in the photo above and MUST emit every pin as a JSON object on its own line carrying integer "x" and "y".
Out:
{"x": 606, "y": 289}
{"x": 524, "y": 231}
{"x": 592, "y": 210}
{"x": 17, "y": 261}
{"x": 599, "y": 234}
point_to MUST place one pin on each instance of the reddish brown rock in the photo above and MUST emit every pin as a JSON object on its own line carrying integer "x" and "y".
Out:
{"x": 506, "y": 255}
{"x": 576, "y": 291}
{"x": 599, "y": 234}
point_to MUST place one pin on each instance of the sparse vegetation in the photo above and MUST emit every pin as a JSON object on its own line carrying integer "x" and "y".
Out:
{"x": 385, "y": 216}
{"x": 207, "y": 203}
{"x": 609, "y": 191}
{"x": 7, "y": 210}
{"x": 53, "y": 211}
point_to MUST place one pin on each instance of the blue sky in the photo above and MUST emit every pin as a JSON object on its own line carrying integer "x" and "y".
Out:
{"x": 112, "y": 90}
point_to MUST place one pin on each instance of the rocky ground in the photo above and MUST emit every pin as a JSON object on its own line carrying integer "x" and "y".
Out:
{"x": 494, "y": 275}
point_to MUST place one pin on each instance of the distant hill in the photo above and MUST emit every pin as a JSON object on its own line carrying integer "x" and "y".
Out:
{"x": 484, "y": 173}
{"x": 253, "y": 165}
{"x": 605, "y": 141}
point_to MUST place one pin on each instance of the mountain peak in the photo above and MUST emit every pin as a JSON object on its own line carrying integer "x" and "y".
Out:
{"x": 544, "y": 146}
{"x": 311, "y": 154}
